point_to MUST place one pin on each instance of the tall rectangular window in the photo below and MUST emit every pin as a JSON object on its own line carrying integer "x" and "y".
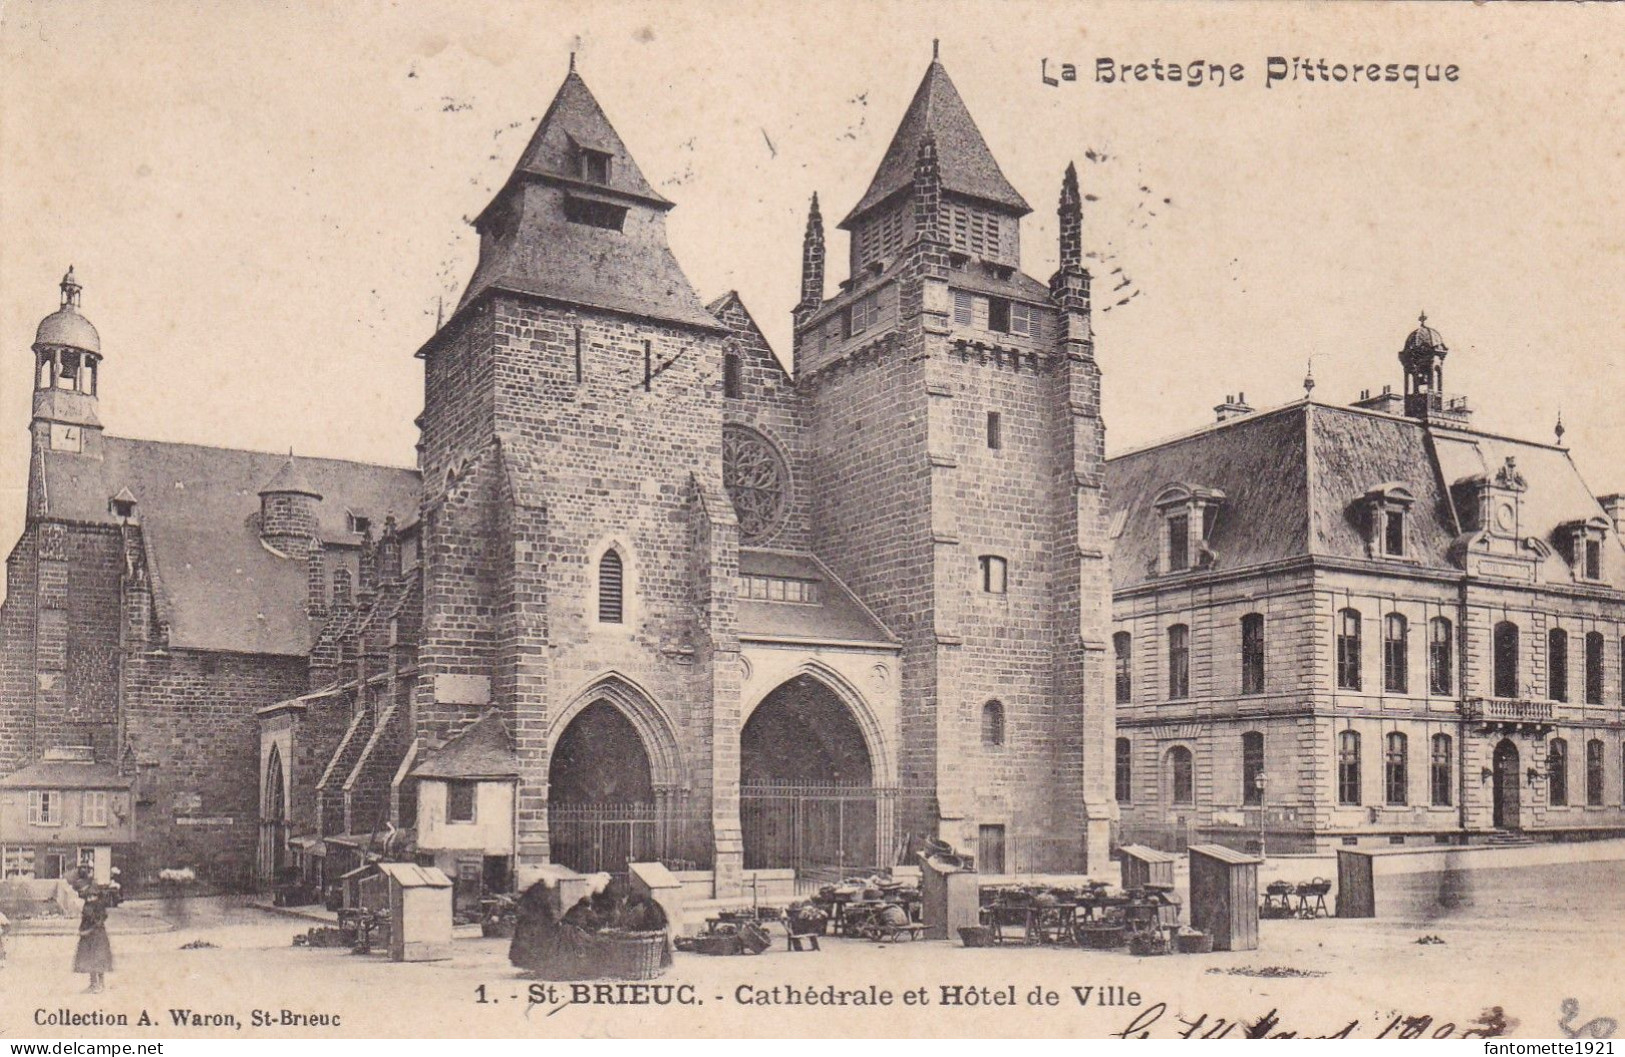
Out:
{"x": 1123, "y": 651}
{"x": 1506, "y": 659}
{"x": 1348, "y": 767}
{"x": 732, "y": 381}
{"x": 995, "y": 431}
{"x": 1348, "y": 649}
{"x": 460, "y": 801}
{"x": 1593, "y": 559}
{"x": 1393, "y": 533}
{"x": 1557, "y": 773}
{"x": 1252, "y": 653}
{"x": 1181, "y": 775}
{"x": 1252, "y": 768}
{"x": 1441, "y": 771}
{"x": 1179, "y": 662}
{"x": 1594, "y": 648}
{"x": 1557, "y": 664}
{"x": 998, "y": 315}
{"x": 1396, "y": 770}
{"x": 1441, "y": 656}
{"x": 1396, "y": 654}
{"x": 610, "y": 586}
{"x": 995, "y": 574}
{"x": 1125, "y": 771}
{"x": 964, "y": 308}
{"x": 1594, "y": 775}
{"x": 1023, "y": 319}
{"x": 1179, "y": 542}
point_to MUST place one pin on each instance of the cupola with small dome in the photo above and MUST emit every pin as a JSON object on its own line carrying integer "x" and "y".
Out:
{"x": 67, "y": 371}
{"x": 1423, "y": 360}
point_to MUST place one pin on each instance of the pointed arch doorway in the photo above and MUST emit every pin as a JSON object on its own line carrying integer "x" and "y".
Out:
{"x": 808, "y": 794}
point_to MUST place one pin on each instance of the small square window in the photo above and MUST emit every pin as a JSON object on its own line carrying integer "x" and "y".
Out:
{"x": 995, "y": 431}
{"x": 1023, "y": 319}
{"x": 460, "y": 802}
{"x": 595, "y": 166}
{"x": 995, "y": 574}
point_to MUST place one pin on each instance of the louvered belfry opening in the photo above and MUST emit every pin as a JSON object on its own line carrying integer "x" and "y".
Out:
{"x": 610, "y": 588}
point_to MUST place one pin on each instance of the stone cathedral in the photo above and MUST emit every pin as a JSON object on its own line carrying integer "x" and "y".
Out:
{"x": 647, "y": 595}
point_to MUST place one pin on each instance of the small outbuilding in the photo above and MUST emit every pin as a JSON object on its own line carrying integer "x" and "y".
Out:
{"x": 1224, "y": 896}
{"x": 419, "y": 912}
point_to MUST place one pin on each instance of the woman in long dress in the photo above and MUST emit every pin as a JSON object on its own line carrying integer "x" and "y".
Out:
{"x": 94, "y": 954}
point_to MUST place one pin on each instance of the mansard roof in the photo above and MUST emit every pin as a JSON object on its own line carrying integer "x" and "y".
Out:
{"x": 966, "y": 164}
{"x": 216, "y": 586}
{"x": 1296, "y": 482}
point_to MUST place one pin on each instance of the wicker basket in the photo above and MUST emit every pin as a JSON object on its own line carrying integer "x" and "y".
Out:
{"x": 1195, "y": 942}
{"x": 975, "y": 936}
{"x": 1102, "y": 937}
{"x": 627, "y": 955}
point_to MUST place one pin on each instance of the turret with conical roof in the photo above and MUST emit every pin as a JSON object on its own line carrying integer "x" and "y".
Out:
{"x": 288, "y": 516}
{"x": 67, "y": 366}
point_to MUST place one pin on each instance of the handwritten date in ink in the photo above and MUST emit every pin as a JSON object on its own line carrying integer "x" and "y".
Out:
{"x": 1155, "y": 1022}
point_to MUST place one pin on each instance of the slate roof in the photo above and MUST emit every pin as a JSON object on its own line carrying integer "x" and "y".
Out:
{"x": 1293, "y": 478}
{"x": 482, "y": 750}
{"x": 574, "y": 120}
{"x": 838, "y": 616}
{"x": 963, "y": 158}
{"x": 538, "y": 252}
{"x": 66, "y": 774}
{"x": 217, "y": 586}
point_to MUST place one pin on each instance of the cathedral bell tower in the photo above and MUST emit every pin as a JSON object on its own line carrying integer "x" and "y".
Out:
{"x": 67, "y": 370}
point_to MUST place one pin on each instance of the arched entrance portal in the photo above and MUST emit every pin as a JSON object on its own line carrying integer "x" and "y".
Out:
{"x": 274, "y": 817}
{"x": 600, "y": 794}
{"x": 1506, "y": 786}
{"x": 808, "y": 799}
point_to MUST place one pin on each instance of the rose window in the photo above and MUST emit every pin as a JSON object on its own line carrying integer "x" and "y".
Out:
{"x": 757, "y": 481}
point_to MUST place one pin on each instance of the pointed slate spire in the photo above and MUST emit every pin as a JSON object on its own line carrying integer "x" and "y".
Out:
{"x": 573, "y": 127}
{"x": 1071, "y": 217}
{"x": 812, "y": 263}
{"x": 966, "y": 164}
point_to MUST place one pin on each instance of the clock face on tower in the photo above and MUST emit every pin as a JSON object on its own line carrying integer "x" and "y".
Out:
{"x": 757, "y": 481}
{"x": 1506, "y": 518}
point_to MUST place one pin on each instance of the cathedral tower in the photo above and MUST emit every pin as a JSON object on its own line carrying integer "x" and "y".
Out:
{"x": 578, "y": 546}
{"x": 959, "y": 477}
{"x": 67, "y": 369}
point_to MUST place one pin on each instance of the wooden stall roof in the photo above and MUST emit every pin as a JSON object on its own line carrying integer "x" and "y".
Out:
{"x": 1225, "y": 855}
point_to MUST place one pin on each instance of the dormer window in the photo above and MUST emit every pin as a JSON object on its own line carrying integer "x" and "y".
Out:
{"x": 1584, "y": 541}
{"x": 1179, "y": 543}
{"x": 595, "y": 165}
{"x": 358, "y": 523}
{"x": 1387, "y": 510}
{"x": 122, "y": 506}
{"x": 1189, "y": 516}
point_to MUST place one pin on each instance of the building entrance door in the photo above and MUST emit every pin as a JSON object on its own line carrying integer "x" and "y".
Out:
{"x": 1506, "y": 786}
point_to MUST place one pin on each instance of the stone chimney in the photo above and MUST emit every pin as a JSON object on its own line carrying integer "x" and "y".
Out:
{"x": 1233, "y": 407}
{"x": 1614, "y": 507}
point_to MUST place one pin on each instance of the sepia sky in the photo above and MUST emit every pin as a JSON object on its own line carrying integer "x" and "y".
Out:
{"x": 265, "y": 201}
